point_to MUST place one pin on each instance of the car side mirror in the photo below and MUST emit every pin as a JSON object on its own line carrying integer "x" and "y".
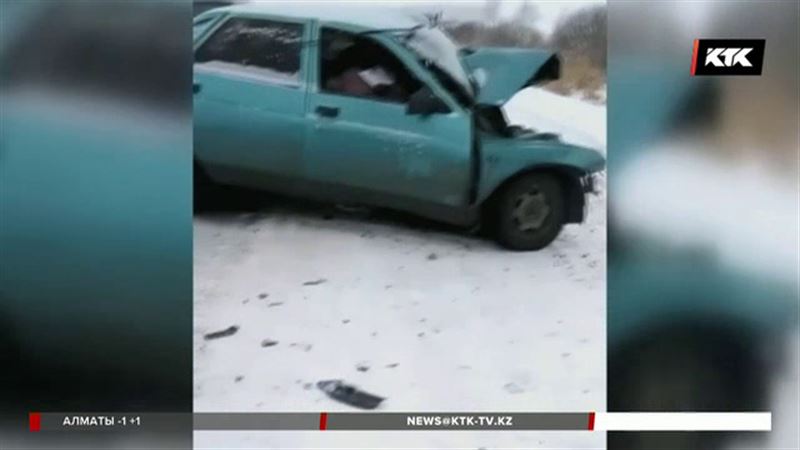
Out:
{"x": 425, "y": 102}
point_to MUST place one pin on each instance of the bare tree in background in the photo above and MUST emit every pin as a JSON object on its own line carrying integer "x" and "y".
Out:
{"x": 583, "y": 33}
{"x": 580, "y": 39}
{"x": 516, "y": 32}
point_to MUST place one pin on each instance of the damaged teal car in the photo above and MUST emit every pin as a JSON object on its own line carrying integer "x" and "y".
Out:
{"x": 350, "y": 106}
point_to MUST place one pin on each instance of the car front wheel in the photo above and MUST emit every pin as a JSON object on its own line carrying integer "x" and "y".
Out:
{"x": 530, "y": 212}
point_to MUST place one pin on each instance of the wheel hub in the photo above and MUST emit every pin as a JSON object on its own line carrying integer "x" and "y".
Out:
{"x": 531, "y": 209}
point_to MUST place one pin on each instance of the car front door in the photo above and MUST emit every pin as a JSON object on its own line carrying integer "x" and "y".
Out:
{"x": 363, "y": 139}
{"x": 249, "y": 100}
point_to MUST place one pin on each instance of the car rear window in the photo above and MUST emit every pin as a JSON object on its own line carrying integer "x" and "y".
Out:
{"x": 266, "y": 49}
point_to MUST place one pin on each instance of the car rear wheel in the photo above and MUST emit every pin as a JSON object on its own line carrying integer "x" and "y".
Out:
{"x": 530, "y": 212}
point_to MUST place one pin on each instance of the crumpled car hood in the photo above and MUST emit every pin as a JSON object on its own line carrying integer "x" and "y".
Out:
{"x": 499, "y": 73}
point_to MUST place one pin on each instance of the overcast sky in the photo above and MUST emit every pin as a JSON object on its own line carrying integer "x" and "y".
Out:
{"x": 545, "y": 14}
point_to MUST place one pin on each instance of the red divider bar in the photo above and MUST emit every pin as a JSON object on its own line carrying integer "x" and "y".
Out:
{"x": 34, "y": 422}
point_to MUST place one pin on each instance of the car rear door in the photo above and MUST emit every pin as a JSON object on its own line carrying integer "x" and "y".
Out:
{"x": 249, "y": 100}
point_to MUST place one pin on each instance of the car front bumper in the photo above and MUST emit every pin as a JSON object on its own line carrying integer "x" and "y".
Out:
{"x": 589, "y": 183}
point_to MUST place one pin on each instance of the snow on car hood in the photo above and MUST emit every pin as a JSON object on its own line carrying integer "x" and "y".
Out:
{"x": 499, "y": 73}
{"x": 434, "y": 46}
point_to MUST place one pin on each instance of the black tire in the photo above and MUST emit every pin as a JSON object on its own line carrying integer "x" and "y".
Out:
{"x": 205, "y": 192}
{"x": 529, "y": 212}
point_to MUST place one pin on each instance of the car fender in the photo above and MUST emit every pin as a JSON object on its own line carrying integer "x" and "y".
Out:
{"x": 504, "y": 159}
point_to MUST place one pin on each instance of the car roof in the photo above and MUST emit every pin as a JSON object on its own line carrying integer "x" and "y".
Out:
{"x": 364, "y": 16}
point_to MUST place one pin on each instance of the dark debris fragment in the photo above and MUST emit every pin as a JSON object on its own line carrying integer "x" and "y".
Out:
{"x": 268, "y": 343}
{"x": 348, "y": 394}
{"x": 230, "y": 331}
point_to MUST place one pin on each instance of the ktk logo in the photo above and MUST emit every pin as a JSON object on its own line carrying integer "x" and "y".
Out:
{"x": 728, "y": 56}
{"x": 732, "y": 57}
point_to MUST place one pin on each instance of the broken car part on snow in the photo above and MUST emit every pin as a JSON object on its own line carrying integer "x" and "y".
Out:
{"x": 338, "y": 390}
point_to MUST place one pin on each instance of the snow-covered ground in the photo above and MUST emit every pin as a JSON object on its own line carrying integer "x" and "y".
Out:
{"x": 579, "y": 121}
{"x": 431, "y": 319}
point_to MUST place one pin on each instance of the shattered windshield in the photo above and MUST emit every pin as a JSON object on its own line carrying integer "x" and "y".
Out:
{"x": 438, "y": 53}
{"x": 435, "y": 48}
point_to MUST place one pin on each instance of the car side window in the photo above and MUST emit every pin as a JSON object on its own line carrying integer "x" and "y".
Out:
{"x": 262, "y": 49}
{"x": 359, "y": 66}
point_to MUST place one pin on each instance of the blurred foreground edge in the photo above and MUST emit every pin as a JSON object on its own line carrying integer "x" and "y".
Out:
{"x": 702, "y": 268}
{"x": 95, "y": 216}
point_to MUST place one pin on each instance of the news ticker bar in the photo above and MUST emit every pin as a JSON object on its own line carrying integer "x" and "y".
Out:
{"x": 392, "y": 421}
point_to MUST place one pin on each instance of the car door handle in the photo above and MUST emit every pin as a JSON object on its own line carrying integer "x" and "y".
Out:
{"x": 327, "y": 111}
{"x": 196, "y": 87}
